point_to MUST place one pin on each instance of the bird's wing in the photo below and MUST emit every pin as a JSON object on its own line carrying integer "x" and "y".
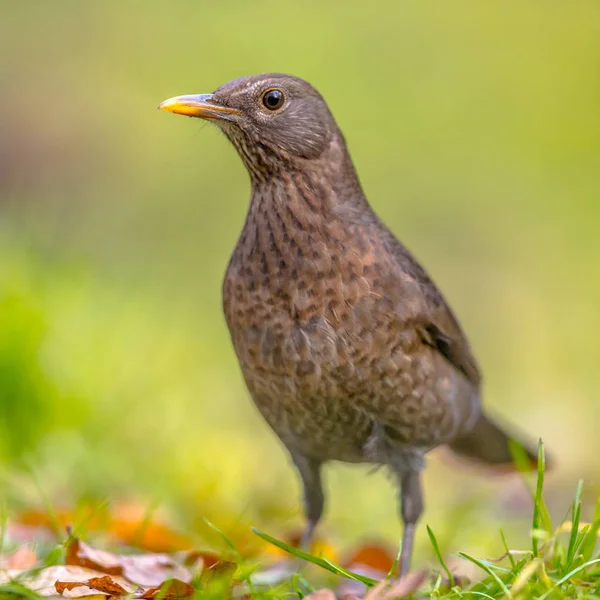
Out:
{"x": 442, "y": 332}
{"x": 429, "y": 311}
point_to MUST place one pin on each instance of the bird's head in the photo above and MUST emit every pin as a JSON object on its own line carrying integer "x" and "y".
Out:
{"x": 271, "y": 119}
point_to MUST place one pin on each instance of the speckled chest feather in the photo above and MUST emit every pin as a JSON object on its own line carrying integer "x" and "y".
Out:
{"x": 324, "y": 320}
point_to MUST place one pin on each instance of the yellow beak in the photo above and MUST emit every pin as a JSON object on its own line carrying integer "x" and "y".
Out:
{"x": 199, "y": 105}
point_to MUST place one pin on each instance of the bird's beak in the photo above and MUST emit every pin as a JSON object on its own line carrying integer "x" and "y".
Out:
{"x": 199, "y": 105}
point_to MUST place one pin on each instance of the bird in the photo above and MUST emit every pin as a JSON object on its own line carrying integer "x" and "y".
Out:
{"x": 348, "y": 349}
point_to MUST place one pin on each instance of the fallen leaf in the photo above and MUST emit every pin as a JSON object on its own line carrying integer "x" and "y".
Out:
{"x": 61, "y": 586}
{"x": 127, "y": 522}
{"x": 202, "y": 560}
{"x": 373, "y": 555}
{"x": 169, "y": 590}
{"x": 147, "y": 570}
{"x": 372, "y": 560}
{"x": 104, "y": 585}
{"x": 22, "y": 559}
{"x": 43, "y": 581}
{"x": 81, "y": 555}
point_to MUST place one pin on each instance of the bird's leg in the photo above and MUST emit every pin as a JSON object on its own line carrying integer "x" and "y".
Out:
{"x": 406, "y": 464}
{"x": 411, "y": 502}
{"x": 310, "y": 472}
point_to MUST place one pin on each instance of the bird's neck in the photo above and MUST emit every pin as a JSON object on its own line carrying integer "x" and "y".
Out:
{"x": 314, "y": 191}
{"x": 300, "y": 212}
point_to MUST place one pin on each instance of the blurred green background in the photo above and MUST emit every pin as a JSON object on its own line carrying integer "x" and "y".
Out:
{"x": 476, "y": 132}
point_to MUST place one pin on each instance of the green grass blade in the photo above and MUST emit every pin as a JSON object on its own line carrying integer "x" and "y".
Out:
{"x": 494, "y": 566}
{"x": 3, "y": 525}
{"x": 545, "y": 519}
{"x": 538, "y": 500}
{"x": 523, "y": 577}
{"x": 297, "y": 581}
{"x": 315, "y": 560}
{"x": 394, "y": 567}
{"x": 436, "y": 549}
{"x": 511, "y": 558}
{"x": 436, "y": 586}
{"x": 238, "y": 557}
{"x": 229, "y": 543}
{"x": 53, "y": 519}
{"x": 575, "y": 518}
{"x": 14, "y": 589}
{"x": 541, "y": 517}
{"x": 569, "y": 575}
{"x": 589, "y": 542}
{"x": 80, "y": 527}
{"x": 489, "y": 571}
{"x": 348, "y": 574}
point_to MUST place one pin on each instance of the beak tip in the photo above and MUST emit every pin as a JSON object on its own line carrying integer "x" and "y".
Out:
{"x": 164, "y": 105}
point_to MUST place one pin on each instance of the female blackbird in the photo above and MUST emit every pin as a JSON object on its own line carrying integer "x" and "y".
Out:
{"x": 348, "y": 349}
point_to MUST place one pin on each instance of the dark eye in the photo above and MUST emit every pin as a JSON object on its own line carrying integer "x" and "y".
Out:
{"x": 273, "y": 99}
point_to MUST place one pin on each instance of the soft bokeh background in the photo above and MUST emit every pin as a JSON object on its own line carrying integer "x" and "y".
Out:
{"x": 476, "y": 132}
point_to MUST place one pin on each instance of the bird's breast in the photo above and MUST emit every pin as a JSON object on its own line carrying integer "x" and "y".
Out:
{"x": 316, "y": 314}
{"x": 325, "y": 341}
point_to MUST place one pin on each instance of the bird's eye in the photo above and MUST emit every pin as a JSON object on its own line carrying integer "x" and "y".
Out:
{"x": 273, "y": 99}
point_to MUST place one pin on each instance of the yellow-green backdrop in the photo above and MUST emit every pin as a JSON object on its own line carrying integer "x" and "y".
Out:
{"x": 476, "y": 132}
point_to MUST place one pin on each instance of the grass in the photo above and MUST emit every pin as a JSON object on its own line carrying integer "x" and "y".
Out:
{"x": 562, "y": 562}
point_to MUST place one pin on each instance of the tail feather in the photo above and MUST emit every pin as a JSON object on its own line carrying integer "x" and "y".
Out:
{"x": 490, "y": 444}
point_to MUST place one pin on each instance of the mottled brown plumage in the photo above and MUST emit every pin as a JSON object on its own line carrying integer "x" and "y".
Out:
{"x": 348, "y": 349}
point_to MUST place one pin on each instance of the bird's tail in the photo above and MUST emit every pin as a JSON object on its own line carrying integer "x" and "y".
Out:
{"x": 489, "y": 444}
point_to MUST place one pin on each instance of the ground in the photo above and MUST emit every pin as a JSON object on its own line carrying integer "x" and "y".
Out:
{"x": 42, "y": 558}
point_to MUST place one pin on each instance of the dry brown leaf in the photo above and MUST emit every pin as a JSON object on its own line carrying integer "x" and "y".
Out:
{"x": 201, "y": 560}
{"x": 81, "y": 555}
{"x": 128, "y": 522}
{"x": 147, "y": 570}
{"x": 195, "y": 558}
{"x": 169, "y": 590}
{"x": 153, "y": 569}
{"x": 61, "y": 586}
{"x": 22, "y": 559}
{"x": 104, "y": 585}
{"x": 372, "y": 560}
{"x": 373, "y": 555}
{"x": 43, "y": 581}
